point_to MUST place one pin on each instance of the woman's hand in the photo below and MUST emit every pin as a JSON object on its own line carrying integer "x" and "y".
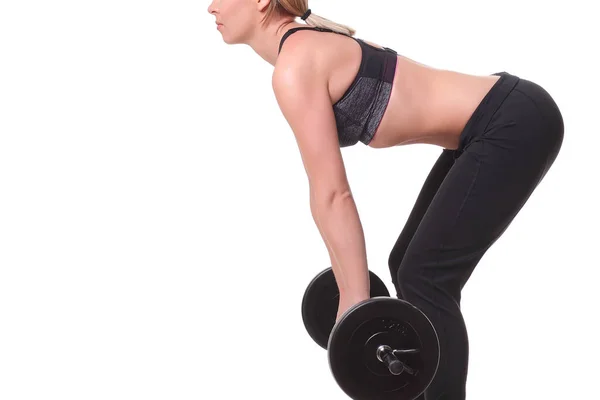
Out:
{"x": 348, "y": 301}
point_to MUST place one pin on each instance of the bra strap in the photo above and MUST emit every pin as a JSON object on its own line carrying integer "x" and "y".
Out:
{"x": 312, "y": 28}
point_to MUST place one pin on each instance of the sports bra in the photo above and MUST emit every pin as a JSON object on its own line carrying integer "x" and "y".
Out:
{"x": 360, "y": 110}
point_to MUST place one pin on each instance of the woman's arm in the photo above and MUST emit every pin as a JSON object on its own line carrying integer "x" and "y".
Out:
{"x": 302, "y": 93}
{"x": 340, "y": 227}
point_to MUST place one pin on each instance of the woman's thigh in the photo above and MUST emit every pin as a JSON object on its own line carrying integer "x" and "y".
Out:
{"x": 482, "y": 193}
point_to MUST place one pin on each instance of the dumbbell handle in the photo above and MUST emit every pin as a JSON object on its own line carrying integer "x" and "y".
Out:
{"x": 387, "y": 356}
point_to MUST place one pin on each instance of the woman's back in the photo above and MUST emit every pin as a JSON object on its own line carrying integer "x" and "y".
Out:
{"x": 426, "y": 105}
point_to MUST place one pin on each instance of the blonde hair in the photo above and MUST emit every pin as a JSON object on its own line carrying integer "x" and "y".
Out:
{"x": 298, "y": 8}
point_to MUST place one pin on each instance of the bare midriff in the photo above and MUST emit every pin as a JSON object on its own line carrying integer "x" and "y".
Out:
{"x": 429, "y": 105}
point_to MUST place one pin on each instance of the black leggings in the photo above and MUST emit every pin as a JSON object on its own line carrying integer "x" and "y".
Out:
{"x": 469, "y": 198}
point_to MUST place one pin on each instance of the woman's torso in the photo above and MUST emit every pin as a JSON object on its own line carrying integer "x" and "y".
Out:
{"x": 426, "y": 105}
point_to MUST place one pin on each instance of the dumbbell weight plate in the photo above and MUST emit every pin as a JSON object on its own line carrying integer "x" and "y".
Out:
{"x": 321, "y": 300}
{"x": 353, "y": 343}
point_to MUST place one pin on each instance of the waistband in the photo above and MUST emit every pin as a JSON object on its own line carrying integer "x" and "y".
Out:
{"x": 487, "y": 108}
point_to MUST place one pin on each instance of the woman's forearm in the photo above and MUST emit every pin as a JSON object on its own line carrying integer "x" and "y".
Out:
{"x": 340, "y": 227}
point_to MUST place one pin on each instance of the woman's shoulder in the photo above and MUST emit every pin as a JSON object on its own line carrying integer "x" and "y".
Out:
{"x": 301, "y": 51}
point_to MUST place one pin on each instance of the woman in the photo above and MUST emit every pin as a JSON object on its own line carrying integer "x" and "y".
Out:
{"x": 500, "y": 134}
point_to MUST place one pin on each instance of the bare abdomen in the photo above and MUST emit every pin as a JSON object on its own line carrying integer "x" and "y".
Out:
{"x": 429, "y": 105}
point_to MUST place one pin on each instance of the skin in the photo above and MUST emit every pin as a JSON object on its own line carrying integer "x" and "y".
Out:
{"x": 427, "y": 105}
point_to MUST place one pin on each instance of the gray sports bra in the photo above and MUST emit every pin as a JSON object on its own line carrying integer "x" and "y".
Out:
{"x": 360, "y": 110}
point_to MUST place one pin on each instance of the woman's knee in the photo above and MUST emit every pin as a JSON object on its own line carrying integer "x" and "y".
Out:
{"x": 394, "y": 262}
{"x": 424, "y": 283}
{"x": 409, "y": 279}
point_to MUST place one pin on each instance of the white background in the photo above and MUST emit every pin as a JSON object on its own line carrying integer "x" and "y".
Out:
{"x": 155, "y": 227}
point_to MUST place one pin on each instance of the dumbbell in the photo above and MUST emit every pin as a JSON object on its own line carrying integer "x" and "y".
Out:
{"x": 381, "y": 348}
{"x": 321, "y": 300}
